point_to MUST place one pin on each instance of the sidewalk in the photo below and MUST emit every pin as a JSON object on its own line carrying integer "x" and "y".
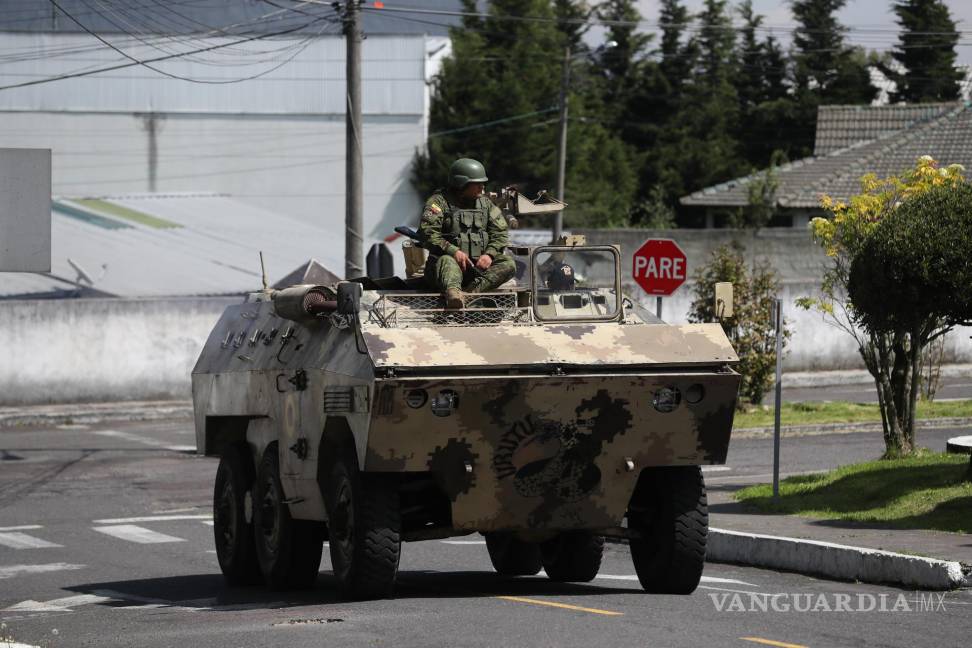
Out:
{"x": 726, "y": 513}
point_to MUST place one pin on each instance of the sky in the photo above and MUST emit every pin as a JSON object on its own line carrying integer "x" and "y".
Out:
{"x": 876, "y": 16}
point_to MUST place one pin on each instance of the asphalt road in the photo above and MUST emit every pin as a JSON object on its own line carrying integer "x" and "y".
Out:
{"x": 104, "y": 538}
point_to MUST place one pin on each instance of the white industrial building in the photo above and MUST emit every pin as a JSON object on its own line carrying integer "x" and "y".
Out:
{"x": 276, "y": 141}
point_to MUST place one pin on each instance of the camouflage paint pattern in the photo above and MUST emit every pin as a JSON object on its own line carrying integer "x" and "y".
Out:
{"x": 550, "y": 424}
{"x": 594, "y": 344}
{"x": 548, "y": 451}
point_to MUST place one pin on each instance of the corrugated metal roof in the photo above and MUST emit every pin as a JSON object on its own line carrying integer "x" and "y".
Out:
{"x": 167, "y": 245}
{"x": 312, "y": 83}
{"x": 197, "y": 16}
{"x": 947, "y": 138}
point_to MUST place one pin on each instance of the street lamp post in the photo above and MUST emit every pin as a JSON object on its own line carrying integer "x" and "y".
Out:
{"x": 562, "y": 143}
{"x": 558, "y": 225}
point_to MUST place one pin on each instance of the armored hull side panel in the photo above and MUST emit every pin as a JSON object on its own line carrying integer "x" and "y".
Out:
{"x": 256, "y": 364}
{"x": 552, "y": 452}
{"x": 589, "y": 345}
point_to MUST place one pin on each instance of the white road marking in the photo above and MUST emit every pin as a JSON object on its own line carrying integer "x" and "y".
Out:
{"x": 57, "y": 605}
{"x": 154, "y": 518}
{"x": 137, "y": 534}
{"x": 208, "y": 522}
{"x": 17, "y": 540}
{"x": 463, "y": 542}
{"x": 135, "y": 438}
{"x": 26, "y": 527}
{"x": 705, "y": 579}
{"x": 9, "y": 571}
{"x": 708, "y": 469}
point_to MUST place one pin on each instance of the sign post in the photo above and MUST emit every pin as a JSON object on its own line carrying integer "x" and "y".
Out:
{"x": 659, "y": 267}
{"x": 778, "y": 321}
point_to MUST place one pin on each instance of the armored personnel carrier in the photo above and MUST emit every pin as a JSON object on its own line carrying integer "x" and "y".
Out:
{"x": 545, "y": 416}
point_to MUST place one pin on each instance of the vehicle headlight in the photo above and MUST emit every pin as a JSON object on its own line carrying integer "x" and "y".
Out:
{"x": 667, "y": 399}
{"x": 445, "y": 402}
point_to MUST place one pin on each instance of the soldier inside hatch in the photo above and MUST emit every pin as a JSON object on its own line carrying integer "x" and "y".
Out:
{"x": 467, "y": 234}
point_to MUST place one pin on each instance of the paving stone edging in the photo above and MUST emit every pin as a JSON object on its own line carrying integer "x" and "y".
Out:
{"x": 842, "y": 562}
{"x": 89, "y": 413}
{"x": 844, "y": 428}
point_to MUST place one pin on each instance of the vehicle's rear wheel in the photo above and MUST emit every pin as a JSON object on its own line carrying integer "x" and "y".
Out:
{"x": 669, "y": 508}
{"x": 364, "y": 526}
{"x": 512, "y": 557}
{"x": 232, "y": 532}
{"x": 573, "y": 556}
{"x": 288, "y": 550}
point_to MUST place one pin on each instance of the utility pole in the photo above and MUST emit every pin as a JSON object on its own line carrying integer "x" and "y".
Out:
{"x": 562, "y": 144}
{"x": 354, "y": 203}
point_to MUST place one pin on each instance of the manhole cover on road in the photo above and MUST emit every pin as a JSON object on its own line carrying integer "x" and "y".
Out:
{"x": 297, "y": 622}
{"x": 959, "y": 445}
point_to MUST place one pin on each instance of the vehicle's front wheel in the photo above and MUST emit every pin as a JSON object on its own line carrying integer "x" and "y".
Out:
{"x": 233, "y": 533}
{"x": 573, "y": 556}
{"x": 288, "y": 550}
{"x": 669, "y": 509}
{"x": 364, "y": 526}
{"x": 512, "y": 557}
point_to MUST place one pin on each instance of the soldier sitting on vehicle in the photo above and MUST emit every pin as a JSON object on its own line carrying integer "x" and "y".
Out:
{"x": 466, "y": 233}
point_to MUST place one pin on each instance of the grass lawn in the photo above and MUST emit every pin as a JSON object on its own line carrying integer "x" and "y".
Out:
{"x": 841, "y": 412}
{"x": 927, "y": 491}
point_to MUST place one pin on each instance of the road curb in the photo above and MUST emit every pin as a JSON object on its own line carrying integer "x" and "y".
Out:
{"x": 830, "y": 560}
{"x": 841, "y": 562}
{"x": 846, "y": 428}
{"x": 89, "y": 413}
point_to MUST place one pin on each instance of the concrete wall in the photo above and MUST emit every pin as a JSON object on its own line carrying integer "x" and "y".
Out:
{"x": 109, "y": 349}
{"x": 76, "y": 350}
{"x": 799, "y": 263}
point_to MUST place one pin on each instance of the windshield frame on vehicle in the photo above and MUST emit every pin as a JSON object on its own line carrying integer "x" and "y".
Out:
{"x": 534, "y": 282}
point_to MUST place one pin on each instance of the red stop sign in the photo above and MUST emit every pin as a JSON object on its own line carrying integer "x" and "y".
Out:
{"x": 659, "y": 266}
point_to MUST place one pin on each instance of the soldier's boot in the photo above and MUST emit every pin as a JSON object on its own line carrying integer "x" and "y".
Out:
{"x": 453, "y": 298}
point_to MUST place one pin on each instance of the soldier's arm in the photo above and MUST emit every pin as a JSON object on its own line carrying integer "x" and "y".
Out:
{"x": 498, "y": 233}
{"x": 431, "y": 227}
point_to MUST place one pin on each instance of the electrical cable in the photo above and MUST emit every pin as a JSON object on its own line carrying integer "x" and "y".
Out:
{"x": 157, "y": 59}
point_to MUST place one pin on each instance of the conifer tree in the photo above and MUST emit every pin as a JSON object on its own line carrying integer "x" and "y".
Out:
{"x": 495, "y": 100}
{"x": 926, "y": 51}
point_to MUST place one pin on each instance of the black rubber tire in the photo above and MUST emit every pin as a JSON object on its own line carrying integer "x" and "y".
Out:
{"x": 512, "y": 557}
{"x": 573, "y": 556}
{"x": 288, "y": 550}
{"x": 232, "y": 534}
{"x": 364, "y": 526}
{"x": 669, "y": 508}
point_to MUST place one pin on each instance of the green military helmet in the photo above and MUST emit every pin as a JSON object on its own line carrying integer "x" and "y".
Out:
{"x": 466, "y": 170}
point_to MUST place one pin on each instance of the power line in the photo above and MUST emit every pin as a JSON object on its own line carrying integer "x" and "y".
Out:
{"x": 149, "y": 66}
{"x": 157, "y": 59}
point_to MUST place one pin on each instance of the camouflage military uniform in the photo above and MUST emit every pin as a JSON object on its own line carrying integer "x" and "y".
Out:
{"x": 476, "y": 230}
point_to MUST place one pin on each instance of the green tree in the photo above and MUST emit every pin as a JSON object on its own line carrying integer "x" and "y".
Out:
{"x": 709, "y": 152}
{"x": 495, "y": 98}
{"x": 752, "y": 84}
{"x": 620, "y": 60}
{"x": 888, "y": 351}
{"x": 909, "y": 284}
{"x": 750, "y": 328}
{"x": 826, "y": 70}
{"x": 677, "y": 56}
{"x": 926, "y": 51}
{"x": 572, "y": 16}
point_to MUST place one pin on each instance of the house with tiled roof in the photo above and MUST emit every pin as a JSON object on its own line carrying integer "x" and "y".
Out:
{"x": 850, "y": 142}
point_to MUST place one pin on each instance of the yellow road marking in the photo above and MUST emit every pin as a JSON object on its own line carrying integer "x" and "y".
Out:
{"x": 565, "y": 606}
{"x": 770, "y": 642}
